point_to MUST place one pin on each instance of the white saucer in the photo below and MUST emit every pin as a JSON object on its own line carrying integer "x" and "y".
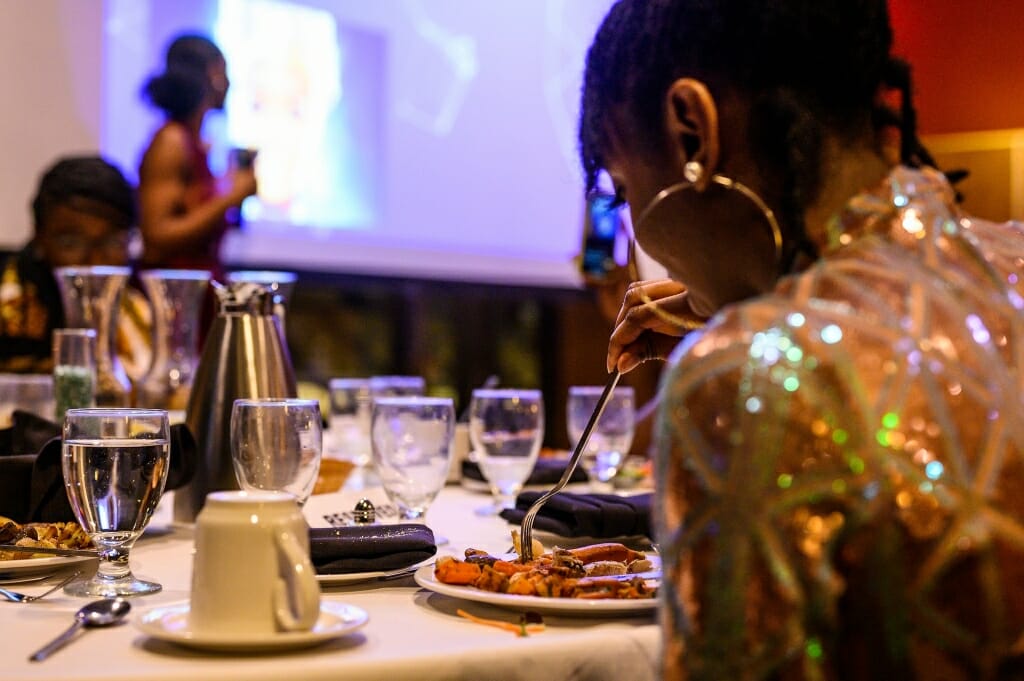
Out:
{"x": 170, "y": 623}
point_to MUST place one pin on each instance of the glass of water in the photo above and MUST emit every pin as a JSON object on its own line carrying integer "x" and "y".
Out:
{"x": 506, "y": 428}
{"x": 350, "y": 419}
{"x": 276, "y": 444}
{"x": 612, "y": 436}
{"x": 115, "y": 465}
{"x": 412, "y": 438}
{"x": 397, "y": 386}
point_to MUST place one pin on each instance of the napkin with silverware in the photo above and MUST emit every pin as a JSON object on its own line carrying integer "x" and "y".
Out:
{"x": 369, "y": 548}
{"x": 545, "y": 472}
{"x": 31, "y": 478}
{"x": 587, "y": 515}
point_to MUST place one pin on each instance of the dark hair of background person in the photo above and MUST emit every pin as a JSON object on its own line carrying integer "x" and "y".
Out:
{"x": 180, "y": 89}
{"x": 92, "y": 184}
{"x": 807, "y": 67}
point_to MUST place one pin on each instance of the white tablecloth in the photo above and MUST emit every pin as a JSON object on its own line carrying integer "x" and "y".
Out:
{"x": 412, "y": 633}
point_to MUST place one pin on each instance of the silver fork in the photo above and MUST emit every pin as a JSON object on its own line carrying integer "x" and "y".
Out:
{"x": 16, "y": 597}
{"x": 526, "y": 529}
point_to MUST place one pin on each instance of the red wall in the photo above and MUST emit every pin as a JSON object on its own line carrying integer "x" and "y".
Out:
{"x": 967, "y": 59}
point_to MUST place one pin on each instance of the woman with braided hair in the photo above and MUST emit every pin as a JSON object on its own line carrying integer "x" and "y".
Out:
{"x": 840, "y": 448}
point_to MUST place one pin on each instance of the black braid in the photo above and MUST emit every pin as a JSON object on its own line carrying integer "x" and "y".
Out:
{"x": 786, "y": 129}
{"x": 810, "y": 66}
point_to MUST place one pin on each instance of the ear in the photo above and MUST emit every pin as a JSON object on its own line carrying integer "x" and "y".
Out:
{"x": 691, "y": 120}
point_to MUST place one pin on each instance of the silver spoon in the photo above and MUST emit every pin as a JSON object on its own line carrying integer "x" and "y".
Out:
{"x": 96, "y": 614}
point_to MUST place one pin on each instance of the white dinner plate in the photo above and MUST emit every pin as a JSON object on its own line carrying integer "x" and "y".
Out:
{"x": 10, "y": 569}
{"x": 359, "y": 577}
{"x": 572, "y": 607}
{"x": 170, "y": 623}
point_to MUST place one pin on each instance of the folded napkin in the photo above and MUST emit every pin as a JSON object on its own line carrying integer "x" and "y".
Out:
{"x": 31, "y": 479}
{"x": 369, "y": 548}
{"x": 587, "y": 515}
{"x": 545, "y": 472}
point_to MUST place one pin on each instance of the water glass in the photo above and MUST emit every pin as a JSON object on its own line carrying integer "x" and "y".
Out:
{"x": 74, "y": 369}
{"x": 350, "y": 419}
{"x": 276, "y": 445}
{"x": 397, "y": 386}
{"x": 612, "y": 435}
{"x": 412, "y": 438}
{"x": 115, "y": 465}
{"x": 25, "y": 392}
{"x": 506, "y": 428}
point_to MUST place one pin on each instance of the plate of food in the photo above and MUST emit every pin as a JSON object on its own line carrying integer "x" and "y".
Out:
{"x": 27, "y": 567}
{"x": 600, "y": 580}
{"x": 23, "y": 561}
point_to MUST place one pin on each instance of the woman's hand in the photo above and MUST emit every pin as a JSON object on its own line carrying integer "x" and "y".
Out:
{"x": 640, "y": 332}
{"x": 241, "y": 184}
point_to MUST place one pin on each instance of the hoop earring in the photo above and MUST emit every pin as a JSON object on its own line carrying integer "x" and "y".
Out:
{"x": 693, "y": 172}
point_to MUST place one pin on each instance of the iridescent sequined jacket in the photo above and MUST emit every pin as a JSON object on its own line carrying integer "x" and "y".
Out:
{"x": 840, "y": 460}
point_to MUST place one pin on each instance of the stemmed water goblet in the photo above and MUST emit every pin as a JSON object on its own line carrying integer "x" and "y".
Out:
{"x": 349, "y": 421}
{"x": 506, "y": 428}
{"x": 612, "y": 436}
{"x": 115, "y": 464}
{"x": 276, "y": 444}
{"x": 412, "y": 439}
{"x": 397, "y": 386}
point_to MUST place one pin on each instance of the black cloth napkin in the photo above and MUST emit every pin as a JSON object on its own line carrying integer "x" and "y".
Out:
{"x": 587, "y": 515}
{"x": 545, "y": 472}
{"x": 369, "y": 548}
{"x": 31, "y": 479}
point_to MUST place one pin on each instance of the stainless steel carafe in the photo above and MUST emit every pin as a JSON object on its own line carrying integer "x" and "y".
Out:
{"x": 245, "y": 356}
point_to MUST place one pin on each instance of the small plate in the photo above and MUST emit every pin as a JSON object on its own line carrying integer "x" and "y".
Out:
{"x": 170, "y": 623}
{"x": 10, "y": 569}
{"x": 359, "y": 577}
{"x": 567, "y": 607}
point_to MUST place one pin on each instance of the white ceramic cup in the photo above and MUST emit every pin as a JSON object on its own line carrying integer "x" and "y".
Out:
{"x": 251, "y": 571}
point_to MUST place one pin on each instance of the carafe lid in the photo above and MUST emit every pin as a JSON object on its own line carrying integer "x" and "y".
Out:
{"x": 245, "y": 297}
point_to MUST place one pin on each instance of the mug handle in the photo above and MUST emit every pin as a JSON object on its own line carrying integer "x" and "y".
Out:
{"x": 300, "y": 581}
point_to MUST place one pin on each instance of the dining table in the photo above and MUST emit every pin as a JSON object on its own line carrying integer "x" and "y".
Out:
{"x": 411, "y": 633}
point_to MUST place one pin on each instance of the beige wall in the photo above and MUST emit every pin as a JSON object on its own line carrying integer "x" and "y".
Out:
{"x": 51, "y": 60}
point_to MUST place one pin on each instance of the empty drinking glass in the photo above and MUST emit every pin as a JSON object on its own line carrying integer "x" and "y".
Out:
{"x": 507, "y": 429}
{"x": 276, "y": 445}
{"x": 397, "y": 386}
{"x": 32, "y": 393}
{"x": 412, "y": 439}
{"x": 350, "y": 419}
{"x": 115, "y": 465}
{"x": 612, "y": 435}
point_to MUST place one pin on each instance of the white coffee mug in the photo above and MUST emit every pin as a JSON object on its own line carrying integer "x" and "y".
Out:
{"x": 251, "y": 571}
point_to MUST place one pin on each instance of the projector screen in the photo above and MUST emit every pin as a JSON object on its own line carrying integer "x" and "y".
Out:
{"x": 420, "y": 138}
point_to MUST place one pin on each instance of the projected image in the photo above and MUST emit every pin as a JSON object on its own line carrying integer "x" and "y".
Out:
{"x": 305, "y": 92}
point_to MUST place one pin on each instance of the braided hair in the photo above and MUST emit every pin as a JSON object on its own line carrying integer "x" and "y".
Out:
{"x": 808, "y": 67}
{"x": 185, "y": 82}
{"x": 92, "y": 179}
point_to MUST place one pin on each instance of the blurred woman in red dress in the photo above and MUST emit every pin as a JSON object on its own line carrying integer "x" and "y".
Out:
{"x": 182, "y": 205}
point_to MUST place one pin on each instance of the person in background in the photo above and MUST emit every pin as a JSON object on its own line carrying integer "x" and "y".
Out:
{"x": 83, "y": 213}
{"x": 839, "y": 456}
{"x": 182, "y": 205}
